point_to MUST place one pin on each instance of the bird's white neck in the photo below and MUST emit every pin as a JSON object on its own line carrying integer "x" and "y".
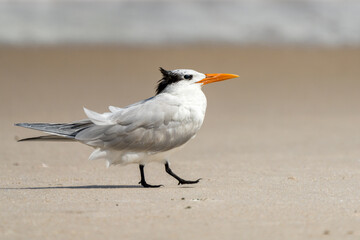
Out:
{"x": 187, "y": 92}
{"x": 188, "y": 95}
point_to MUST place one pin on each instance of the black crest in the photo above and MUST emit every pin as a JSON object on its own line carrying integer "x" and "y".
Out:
{"x": 168, "y": 78}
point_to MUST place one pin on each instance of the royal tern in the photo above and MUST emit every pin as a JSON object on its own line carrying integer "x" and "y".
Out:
{"x": 147, "y": 131}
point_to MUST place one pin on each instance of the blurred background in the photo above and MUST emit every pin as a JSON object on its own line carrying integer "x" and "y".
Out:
{"x": 158, "y": 22}
{"x": 280, "y": 146}
{"x": 46, "y": 43}
{"x": 298, "y": 63}
{"x": 300, "y": 56}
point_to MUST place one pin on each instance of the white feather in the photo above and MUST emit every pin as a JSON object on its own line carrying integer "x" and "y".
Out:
{"x": 114, "y": 109}
{"x": 97, "y": 154}
{"x": 97, "y": 118}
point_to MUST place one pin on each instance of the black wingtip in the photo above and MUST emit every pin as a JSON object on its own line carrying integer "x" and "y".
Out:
{"x": 27, "y": 139}
{"x": 46, "y": 138}
{"x": 20, "y": 124}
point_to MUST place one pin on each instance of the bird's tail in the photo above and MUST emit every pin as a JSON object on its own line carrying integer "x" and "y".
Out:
{"x": 57, "y": 131}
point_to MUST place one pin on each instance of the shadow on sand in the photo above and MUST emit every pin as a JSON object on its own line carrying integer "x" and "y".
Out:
{"x": 76, "y": 187}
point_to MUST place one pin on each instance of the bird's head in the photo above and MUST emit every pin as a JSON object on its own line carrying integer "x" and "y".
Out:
{"x": 189, "y": 77}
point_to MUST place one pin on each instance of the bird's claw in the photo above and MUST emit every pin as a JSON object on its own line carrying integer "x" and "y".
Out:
{"x": 146, "y": 185}
{"x": 188, "y": 182}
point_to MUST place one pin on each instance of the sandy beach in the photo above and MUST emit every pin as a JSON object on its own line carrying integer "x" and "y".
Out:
{"x": 278, "y": 154}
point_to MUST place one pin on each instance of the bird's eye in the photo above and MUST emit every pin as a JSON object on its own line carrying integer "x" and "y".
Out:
{"x": 188, "y": 77}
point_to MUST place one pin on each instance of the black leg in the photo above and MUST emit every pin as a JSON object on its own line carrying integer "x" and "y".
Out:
{"x": 181, "y": 181}
{"x": 143, "y": 182}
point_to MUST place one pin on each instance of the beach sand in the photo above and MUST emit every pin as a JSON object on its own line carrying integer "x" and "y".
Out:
{"x": 278, "y": 154}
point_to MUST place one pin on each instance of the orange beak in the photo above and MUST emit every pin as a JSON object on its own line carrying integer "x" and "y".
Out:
{"x": 216, "y": 77}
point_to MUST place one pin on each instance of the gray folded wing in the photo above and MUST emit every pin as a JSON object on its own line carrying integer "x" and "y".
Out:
{"x": 151, "y": 126}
